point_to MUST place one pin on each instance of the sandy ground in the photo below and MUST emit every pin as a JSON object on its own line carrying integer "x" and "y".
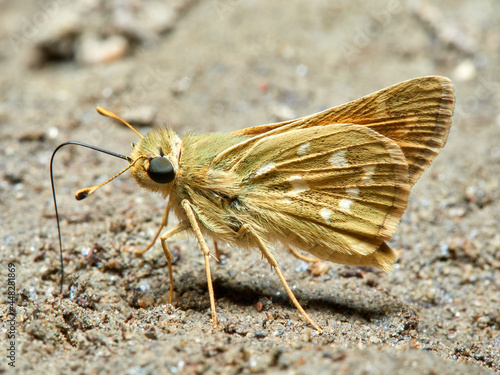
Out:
{"x": 224, "y": 65}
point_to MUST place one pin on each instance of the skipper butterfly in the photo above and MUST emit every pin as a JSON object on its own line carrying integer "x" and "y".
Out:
{"x": 334, "y": 184}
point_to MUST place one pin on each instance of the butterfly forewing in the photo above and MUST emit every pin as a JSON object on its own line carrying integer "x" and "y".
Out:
{"x": 335, "y": 191}
{"x": 416, "y": 114}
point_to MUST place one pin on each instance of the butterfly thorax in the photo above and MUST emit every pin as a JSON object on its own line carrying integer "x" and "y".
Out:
{"x": 215, "y": 191}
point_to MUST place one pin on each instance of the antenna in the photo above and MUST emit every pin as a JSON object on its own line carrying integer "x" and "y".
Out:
{"x": 82, "y": 191}
{"x": 105, "y": 112}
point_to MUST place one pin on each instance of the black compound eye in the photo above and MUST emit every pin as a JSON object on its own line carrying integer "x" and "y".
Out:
{"x": 161, "y": 170}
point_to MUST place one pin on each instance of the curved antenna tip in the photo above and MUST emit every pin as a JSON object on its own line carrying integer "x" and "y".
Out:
{"x": 82, "y": 194}
{"x": 105, "y": 112}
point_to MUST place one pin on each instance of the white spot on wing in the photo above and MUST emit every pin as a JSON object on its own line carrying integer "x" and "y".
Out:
{"x": 338, "y": 159}
{"x": 326, "y": 214}
{"x": 345, "y": 205}
{"x": 369, "y": 172}
{"x": 265, "y": 168}
{"x": 353, "y": 192}
{"x": 304, "y": 148}
{"x": 298, "y": 185}
{"x": 287, "y": 201}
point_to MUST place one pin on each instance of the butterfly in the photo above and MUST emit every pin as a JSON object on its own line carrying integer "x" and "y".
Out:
{"x": 333, "y": 184}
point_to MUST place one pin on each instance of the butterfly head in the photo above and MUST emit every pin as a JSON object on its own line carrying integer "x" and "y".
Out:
{"x": 154, "y": 162}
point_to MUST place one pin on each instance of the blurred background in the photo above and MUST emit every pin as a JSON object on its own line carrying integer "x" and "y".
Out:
{"x": 222, "y": 65}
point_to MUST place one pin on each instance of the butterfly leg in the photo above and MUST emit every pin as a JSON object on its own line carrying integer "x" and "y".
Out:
{"x": 178, "y": 228}
{"x": 164, "y": 222}
{"x": 300, "y": 256}
{"x": 246, "y": 230}
{"x": 206, "y": 252}
{"x": 216, "y": 249}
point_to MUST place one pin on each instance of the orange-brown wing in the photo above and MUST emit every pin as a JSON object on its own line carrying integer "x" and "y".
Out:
{"x": 334, "y": 191}
{"x": 416, "y": 114}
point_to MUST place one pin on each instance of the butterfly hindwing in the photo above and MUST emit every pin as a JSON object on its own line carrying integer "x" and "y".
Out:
{"x": 336, "y": 191}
